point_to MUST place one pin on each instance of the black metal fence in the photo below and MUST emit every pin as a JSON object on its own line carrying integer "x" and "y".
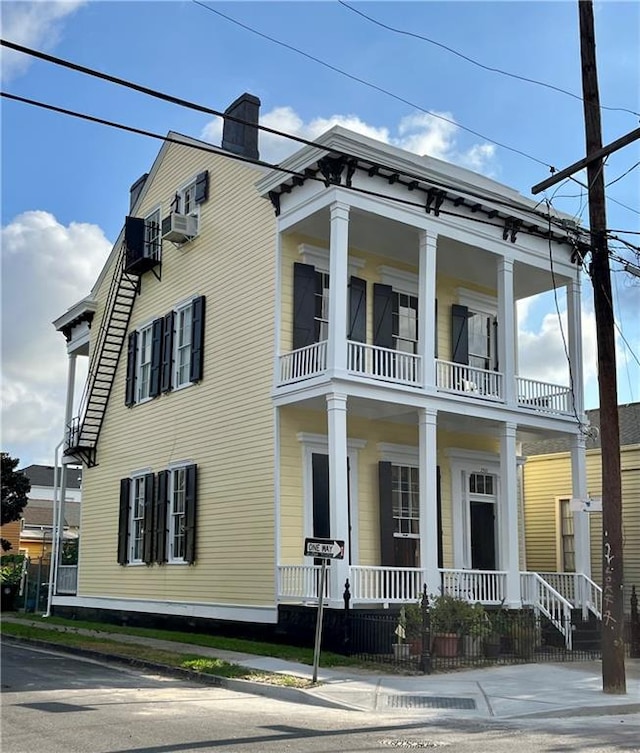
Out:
{"x": 408, "y": 642}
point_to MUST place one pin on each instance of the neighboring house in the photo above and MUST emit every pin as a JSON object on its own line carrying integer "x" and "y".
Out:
{"x": 550, "y": 539}
{"x": 328, "y": 350}
{"x": 37, "y": 524}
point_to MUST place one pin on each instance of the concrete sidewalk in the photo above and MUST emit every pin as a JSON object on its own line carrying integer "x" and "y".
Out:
{"x": 567, "y": 689}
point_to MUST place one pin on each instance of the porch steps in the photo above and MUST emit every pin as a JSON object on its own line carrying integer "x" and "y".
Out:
{"x": 83, "y": 432}
{"x": 587, "y": 633}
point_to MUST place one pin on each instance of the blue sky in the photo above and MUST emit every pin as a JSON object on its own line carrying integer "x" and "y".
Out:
{"x": 65, "y": 182}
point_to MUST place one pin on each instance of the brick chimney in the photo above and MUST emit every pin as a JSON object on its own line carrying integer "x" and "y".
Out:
{"x": 238, "y": 137}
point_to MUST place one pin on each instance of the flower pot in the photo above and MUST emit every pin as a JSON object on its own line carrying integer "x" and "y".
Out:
{"x": 401, "y": 651}
{"x": 445, "y": 644}
{"x": 492, "y": 646}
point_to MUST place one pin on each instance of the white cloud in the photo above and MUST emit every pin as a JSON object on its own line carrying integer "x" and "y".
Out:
{"x": 419, "y": 133}
{"x": 46, "y": 267}
{"x": 32, "y": 24}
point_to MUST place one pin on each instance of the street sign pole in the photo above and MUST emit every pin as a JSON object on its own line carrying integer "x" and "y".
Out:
{"x": 316, "y": 649}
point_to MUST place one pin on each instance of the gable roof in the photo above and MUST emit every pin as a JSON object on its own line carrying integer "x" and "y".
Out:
{"x": 43, "y": 475}
{"x": 629, "y": 419}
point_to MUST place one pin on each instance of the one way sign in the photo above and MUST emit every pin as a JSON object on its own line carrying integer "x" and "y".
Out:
{"x": 330, "y": 549}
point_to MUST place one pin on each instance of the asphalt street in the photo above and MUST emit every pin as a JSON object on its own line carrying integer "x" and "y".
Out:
{"x": 54, "y": 703}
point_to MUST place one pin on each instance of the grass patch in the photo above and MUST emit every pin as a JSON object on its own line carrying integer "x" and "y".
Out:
{"x": 193, "y": 662}
{"x": 241, "y": 645}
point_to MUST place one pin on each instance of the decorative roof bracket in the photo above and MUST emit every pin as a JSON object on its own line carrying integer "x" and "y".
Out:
{"x": 274, "y": 197}
{"x": 511, "y": 228}
{"x": 435, "y": 198}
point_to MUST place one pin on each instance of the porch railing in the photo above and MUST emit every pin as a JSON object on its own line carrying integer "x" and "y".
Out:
{"x": 303, "y": 362}
{"x": 579, "y": 589}
{"x": 301, "y": 582}
{"x": 385, "y": 584}
{"x": 544, "y": 598}
{"x": 384, "y": 363}
{"x": 67, "y": 581}
{"x": 543, "y": 397}
{"x": 485, "y": 586}
{"x": 468, "y": 380}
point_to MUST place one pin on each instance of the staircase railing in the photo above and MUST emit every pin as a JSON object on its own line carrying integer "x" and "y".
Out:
{"x": 579, "y": 589}
{"x": 549, "y": 602}
{"x": 83, "y": 432}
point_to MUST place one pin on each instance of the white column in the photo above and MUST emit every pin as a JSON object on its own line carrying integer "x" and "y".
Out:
{"x": 507, "y": 336}
{"x": 338, "y": 489}
{"x": 338, "y": 285}
{"x": 427, "y": 306}
{"x": 278, "y": 310}
{"x": 428, "y": 461}
{"x": 574, "y": 320}
{"x": 581, "y": 531}
{"x": 509, "y": 541}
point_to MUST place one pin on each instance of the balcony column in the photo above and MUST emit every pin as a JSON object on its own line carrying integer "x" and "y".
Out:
{"x": 338, "y": 490}
{"x": 427, "y": 307}
{"x": 509, "y": 549}
{"x": 428, "y": 462}
{"x": 574, "y": 321}
{"x": 581, "y": 529}
{"x": 338, "y": 286}
{"x": 506, "y": 330}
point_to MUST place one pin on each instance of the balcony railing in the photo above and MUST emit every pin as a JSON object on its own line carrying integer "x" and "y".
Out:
{"x": 543, "y": 397}
{"x": 384, "y": 363}
{"x": 301, "y": 582}
{"x": 468, "y": 380}
{"x": 303, "y": 363}
{"x": 485, "y": 586}
{"x": 385, "y": 584}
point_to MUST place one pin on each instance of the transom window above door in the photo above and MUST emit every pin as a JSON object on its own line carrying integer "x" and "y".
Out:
{"x": 481, "y": 483}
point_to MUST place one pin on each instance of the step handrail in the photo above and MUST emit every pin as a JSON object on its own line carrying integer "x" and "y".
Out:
{"x": 552, "y": 604}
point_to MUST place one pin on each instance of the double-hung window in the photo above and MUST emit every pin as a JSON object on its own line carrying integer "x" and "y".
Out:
{"x": 406, "y": 500}
{"x": 177, "y": 514}
{"x": 136, "y": 524}
{"x": 182, "y": 356}
{"x": 143, "y": 377}
{"x": 322, "y": 306}
{"x": 152, "y": 239}
{"x": 482, "y": 346}
{"x": 566, "y": 537}
{"x": 405, "y": 322}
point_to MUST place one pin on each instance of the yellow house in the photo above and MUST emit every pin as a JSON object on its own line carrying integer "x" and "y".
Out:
{"x": 325, "y": 350}
{"x": 550, "y": 539}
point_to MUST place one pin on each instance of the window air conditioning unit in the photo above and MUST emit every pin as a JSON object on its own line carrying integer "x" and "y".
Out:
{"x": 179, "y": 228}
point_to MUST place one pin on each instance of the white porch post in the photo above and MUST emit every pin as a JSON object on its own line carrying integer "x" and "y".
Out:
{"x": 509, "y": 541}
{"x": 507, "y": 329}
{"x": 338, "y": 285}
{"x": 580, "y": 519}
{"x": 427, "y": 438}
{"x": 574, "y": 321}
{"x": 426, "y": 306}
{"x": 338, "y": 489}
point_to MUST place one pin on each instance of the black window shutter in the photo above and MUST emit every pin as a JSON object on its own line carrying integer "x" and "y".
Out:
{"x": 439, "y": 514}
{"x": 147, "y": 521}
{"x": 459, "y": 334}
{"x": 304, "y": 305}
{"x": 156, "y": 357}
{"x": 357, "y": 310}
{"x": 382, "y": 315}
{"x": 130, "y": 385}
{"x": 435, "y": 334}
{"x": 123, "y": 521}
{"x": 134, "y": 232}
{"x": 191, "y": 494}
{"x": 166, "y": 373}
{"x": 160, "y": 518}
{"x": 387, "y": 555}
{"x": 197, "y": 339}
{"x": 202, "y": 187}
{"x": 320, "y": 485}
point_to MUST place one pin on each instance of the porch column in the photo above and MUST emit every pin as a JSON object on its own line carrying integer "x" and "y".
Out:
{"x": 574, "y": 321}
{"x": 581, "y": 530}
{"x": 509, "y": 540}
{"x": 427, "y": 439}
{"x": 506, "y": 329}
{"x": 427, "y": 307}
{"x": 338, "y": 490}
{"x": 338, "y": 285}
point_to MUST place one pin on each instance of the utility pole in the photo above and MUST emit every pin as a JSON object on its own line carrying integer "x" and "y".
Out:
{"x": 613, "y": 670}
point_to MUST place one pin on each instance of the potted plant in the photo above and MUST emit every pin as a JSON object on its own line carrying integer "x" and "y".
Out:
{"x": 413, "y": 617}
{"x": 497, "y": 627}
{"x": 476, "y": 630}
{"x": 449, "y": 619}
{"x": 11, "y": 567}
{"x": 401, "y": 647}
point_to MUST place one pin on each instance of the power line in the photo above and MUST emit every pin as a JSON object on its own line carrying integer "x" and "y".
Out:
{"x": 262, "y": 163}
{"x": 477, "y": 62}
{"x": 371, "y": 85}
{"x": 211, "y": 111}
{"x": 620, "y": 177}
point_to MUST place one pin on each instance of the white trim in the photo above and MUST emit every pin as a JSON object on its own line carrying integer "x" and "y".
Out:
{"x": 267, "y": 614}
{"x": 400, "y": 281}
{"x": 178, "y": 464}
{"x": 398, "y": 454}
{"x": 319, "y": 258}
{"x": 322, "y": 441}
{"x": 485, "y": 304}
{"x": 140, "y": 472}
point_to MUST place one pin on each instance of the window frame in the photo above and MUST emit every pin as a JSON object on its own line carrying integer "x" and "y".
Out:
{"x": 178, "y": 349}
{"x": 181, "y": 194}
{"x": 172, "y": 516}
{"x": 414, "y": 499}
{"x": 153, "y": 241}
{"x": 138, "y": 482}
{"x": 143, "y": 331}
{"x": 561, "y": 536}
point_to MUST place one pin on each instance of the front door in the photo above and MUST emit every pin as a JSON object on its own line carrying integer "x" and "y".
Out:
{"x": 483, "y": 535}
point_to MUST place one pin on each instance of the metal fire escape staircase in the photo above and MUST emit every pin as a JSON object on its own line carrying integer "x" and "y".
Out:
{"x": 84, "y": 430}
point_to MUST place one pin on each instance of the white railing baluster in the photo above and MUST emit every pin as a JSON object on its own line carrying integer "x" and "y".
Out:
{"x": 469, "y": 380}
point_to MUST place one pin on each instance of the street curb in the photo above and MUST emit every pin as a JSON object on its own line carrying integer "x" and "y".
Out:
{"x": 279, "y": 693}
{"x": 571, "y": 712}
